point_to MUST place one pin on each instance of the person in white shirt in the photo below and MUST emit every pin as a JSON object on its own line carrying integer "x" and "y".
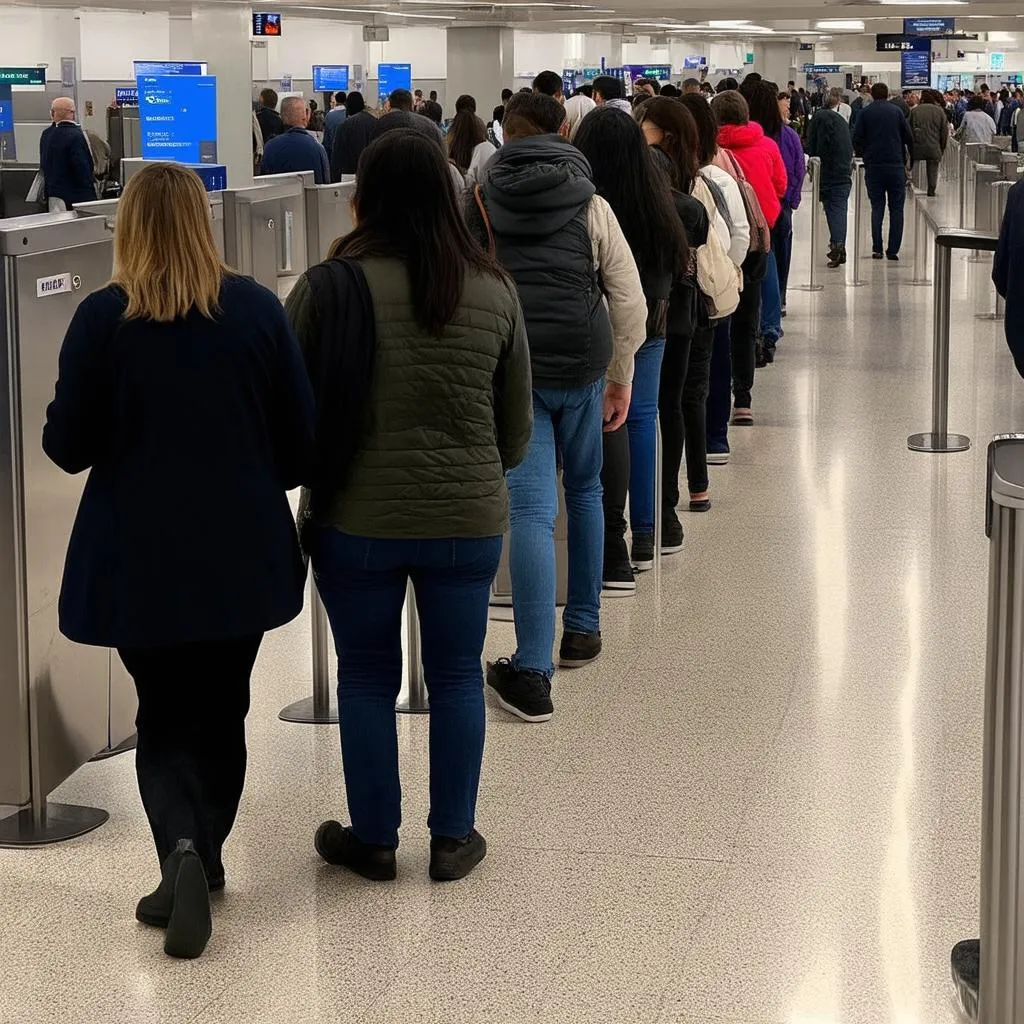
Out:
{"x": 841, "y": 107}
{"x": 977, "y": 125}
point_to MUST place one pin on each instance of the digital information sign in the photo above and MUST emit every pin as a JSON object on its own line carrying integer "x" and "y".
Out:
{"x": 264, "y": 24}
{"x": 930, "y": 27}
{"x": 7, "y": 150}
{"x": 330, "y": 77}
{"x": 34, "y": 77}
{"x": 916, "y": 65}
{"x": 149, "y": 68}
{"x": 391, "y": 77}
{"x": 126, "y": 96}
{"x": 178, "y": 118}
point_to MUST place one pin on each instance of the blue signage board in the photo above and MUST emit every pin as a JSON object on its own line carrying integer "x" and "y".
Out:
{"x": 916, "y": 65}
{"x": 7, "y": 150}
{"x": 23, "y": 76}
{"x": 391, "y": 77}
{"x": 929, "y": 26}
{"x": 127, "y": 96}
{"x": 997, "y": 61}
{"x": 822, "y": 69}
{"x": 178, "y": 118}
{"x": 150, "y": 68}
{"x": 694, "y": 62}
{"x": 330, "y": 77}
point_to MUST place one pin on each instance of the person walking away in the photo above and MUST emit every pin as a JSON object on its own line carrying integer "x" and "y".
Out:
{"x": 271, "y": 123}
{"x": 415, "y": 343}
{"x": 611, "y": 92}
{"x": 296, "y": 149}
{"x": 335, "y": 116}
{"x": 883, "y": 138}
{"x": 830, "y": 141}
{"x": 65, "y": 159}
{"x": 761, "y": 162}
{"x": 352, "y": 136}
{"x": 576, "y": 109}
{"x": 861, "y": 100}
{"x": 566, "y": 252}
{"x": 638, "y": 193}
{"x": 467, "y": 132}
{"x": 930, "y": 128}
{"x": 977, "y": 125}
{"x": 184, "y": 589}
{"x": 1008, "y": 272}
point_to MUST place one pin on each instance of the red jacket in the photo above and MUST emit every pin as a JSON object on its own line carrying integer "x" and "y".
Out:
{"x": 762, "y": 163}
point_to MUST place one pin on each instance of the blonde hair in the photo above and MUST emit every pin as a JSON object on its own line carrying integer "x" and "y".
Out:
{"x": 165, "y": 258}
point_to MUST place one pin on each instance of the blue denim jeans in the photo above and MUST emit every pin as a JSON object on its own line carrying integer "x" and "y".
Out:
{"x": 362, "y": 582}
{"x": 771, "y": 304}
{"x": 566, "y": 423}
{"x": 642, "y": 426}
{"x": 886, "y": 183}
{"x": 836, "y": 201}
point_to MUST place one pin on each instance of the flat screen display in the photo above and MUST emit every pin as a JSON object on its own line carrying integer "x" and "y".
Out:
{"x": 929, "y": 26}
{"x": 151, "y": 68}
{"x": 264, "y": 24}
{"x": 391, "y": 77}
{"x": 330, "y": 77}
{"x": 916, "y": 65}
{"x": 178, "y": 118}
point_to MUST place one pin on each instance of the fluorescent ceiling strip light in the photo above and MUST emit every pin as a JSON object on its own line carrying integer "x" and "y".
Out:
{"x": 380, "y": 12}
{"x": 841, "y": 26}
{"x": 728, "y": 24}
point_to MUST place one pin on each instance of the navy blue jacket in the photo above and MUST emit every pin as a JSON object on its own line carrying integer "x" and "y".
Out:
{"x": 882, "y": 136}
{"x": 332, "y": 122}
{"x": 296, "y": 150}
{"x": 1008, "y": 272}
{"x": 192, "y": 432}
{"x": 66, "y": 162}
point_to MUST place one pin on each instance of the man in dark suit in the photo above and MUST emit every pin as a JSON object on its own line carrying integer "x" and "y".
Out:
{"x": 1008, "y": 272}
{"x": 65, "y": 159}
{"x": 270, "y": 120}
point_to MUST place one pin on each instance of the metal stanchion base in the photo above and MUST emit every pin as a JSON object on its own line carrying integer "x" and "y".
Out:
{"x": 810, "y": 287}
{"x": 920, "y": 284}
{"x": 938, "y": 442}
{"x": 404, "y": 707}
{"x": 123, "y": 747}
{"x": 302, "y": 712}
{"x": 60, "y": 822}
{"x": 989, "y": 316}
{"x": 856, "y": 284}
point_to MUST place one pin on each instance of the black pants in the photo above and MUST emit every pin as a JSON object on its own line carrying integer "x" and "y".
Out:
{"x": 670, "y": 413}
{"x": 695, "y": 403}
{"x": 615, "y": 488}
{"x": 745, "y": 327}
{"x": 933, "y": 176}
{"x": 191, "y": 755}
{"x": 782, "y": 246}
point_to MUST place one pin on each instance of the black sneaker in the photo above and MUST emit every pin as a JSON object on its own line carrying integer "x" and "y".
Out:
{"x": 578, "y": 649}
{"x": 617, "y": 577}
{"x": 643, "y": 551}
{"x": 892, "y": 257}
{"x": 965, "y": 963}
{"x": 835, "y": 258}
{"x": 842, "y": 254}
{"x": 671, "y": 532}
{"x": 769, "y": 353}
{"x": 877, "y": 256}
{"x": 451, "y": 859}
{"x": 340, "y": 846}
{"x": 525, "y": 694}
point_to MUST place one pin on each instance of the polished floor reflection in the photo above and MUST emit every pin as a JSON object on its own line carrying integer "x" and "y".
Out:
{"x": 761, "y": 806}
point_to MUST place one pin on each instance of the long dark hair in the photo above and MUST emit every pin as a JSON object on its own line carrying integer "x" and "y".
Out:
{"x": 763, "y": 101}
{"x": 680, "y": 144}
{"x": 636, "y": 189}
{"x": 424, "y": 228}
{"x": 707, "y": 126}
{"x": 466, "y": 133}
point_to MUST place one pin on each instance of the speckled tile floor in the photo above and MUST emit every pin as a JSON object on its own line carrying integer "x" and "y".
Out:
{"x": 761, "y": 806}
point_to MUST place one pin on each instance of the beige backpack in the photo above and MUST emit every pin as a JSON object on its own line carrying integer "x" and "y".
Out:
{"x": 717, "y": 276}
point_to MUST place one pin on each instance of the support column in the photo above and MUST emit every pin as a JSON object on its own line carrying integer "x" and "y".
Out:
{"x": 481, "y": 62}
{"x": 222, "y": 36}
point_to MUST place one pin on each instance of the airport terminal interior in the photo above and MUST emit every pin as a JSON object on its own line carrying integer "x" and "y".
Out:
{"x": 763, "y": 804}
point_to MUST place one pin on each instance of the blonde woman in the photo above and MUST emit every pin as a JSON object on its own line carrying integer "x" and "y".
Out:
{"x": 182, "y": 391}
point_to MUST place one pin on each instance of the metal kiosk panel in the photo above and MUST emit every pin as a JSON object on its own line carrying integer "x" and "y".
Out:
{"x": 328, "y": 217}
{"x": 55, "y": 696}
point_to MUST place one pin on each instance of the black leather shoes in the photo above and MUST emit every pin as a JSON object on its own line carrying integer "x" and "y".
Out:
{"x": 190, "y": 925}
{"x": 339, "y": 845}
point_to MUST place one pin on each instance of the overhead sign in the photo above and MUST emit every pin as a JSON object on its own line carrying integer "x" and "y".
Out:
{"x": 916, "y": 65}
{"x": 330, "y": 77}
{"x": 126, "y": 96}
{"x": 376, "y": 34}
{"x": 178, "y": 118}
{"x": 887, "y": 42}
{"x": 23, "y": 76}
{"x": 694, "y": 61}
{"x": 822, "y": 69}
{"x": 930, "y": 27}
{"x": 998, "y": 61}
{"x": 391, "y": 77}
{"x": 150, "y": 68}
{"x": 264, "y": 24}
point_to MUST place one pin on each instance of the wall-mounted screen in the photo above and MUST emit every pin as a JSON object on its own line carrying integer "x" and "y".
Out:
{"x": 391, "y": 77}
{"x": 916, "y": 65}
{"x": 178, "y": 118}
{"x": 330, "y": 77}
{"x": 929, "y": 26}
{"x": 264, "y": 24}
{"x": 151, "y": 68}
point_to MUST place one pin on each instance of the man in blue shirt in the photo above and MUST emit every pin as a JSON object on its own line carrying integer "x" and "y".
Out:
{"x": 296, "y": 149}
{"x": 335, "y": 116}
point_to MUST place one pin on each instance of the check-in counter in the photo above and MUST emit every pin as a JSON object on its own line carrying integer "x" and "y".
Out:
{"x": 15, "y": 181}
{"x": 291, "y": 221}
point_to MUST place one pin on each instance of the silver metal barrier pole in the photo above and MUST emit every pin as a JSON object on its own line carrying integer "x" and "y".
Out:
{"x": 814, "y": 170}
{"x": 938, "y": 439}
{"x": 1000, "y": 194}
{"x": 415, "y": 701}
{"x": 920, "y": 243}
{"x": 658, "y": 492}
{"x": 859, "y": 187}
{"x": 1001, "y": 989}
{"x": 321, "y": 708}
{"x": 962, "y": 190}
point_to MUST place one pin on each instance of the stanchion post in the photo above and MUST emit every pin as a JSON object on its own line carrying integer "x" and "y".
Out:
{"x": 658, "y": 493}
{"x": 962, "y": 190}
{"x": 920, "y": 243}
{"x": 1000, "y": 194}
{"x": 814, "y": 169}
{"x": 320, "y": 709}
{"x": 415, "y": 701}
{"x": 858, "y": 221}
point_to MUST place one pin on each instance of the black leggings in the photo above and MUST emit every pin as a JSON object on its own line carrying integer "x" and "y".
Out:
{"x": 191, "y": 754}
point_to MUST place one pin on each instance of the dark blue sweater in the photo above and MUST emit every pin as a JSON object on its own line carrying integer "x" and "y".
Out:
{"x": 296, "y": 150}
{"x": 882, "y": 136}
{"x": 191, "y": 432}
{"x": 66, "y": 162}
{"x": 1008, "y": 272}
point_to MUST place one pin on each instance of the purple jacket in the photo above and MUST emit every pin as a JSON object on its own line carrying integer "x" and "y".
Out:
{"x": 796, "y": 165}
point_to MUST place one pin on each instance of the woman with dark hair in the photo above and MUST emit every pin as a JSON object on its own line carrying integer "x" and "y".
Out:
{"x": 762, "y": 98}
{"x": 669, "y": 127}
{"x": 415, "y": 344}
{"x": 638, "y": 193}
{"x": 467, "y": 131}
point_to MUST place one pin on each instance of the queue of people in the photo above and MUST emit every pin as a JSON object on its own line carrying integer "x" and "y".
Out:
{"x": 429, "y": 384}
